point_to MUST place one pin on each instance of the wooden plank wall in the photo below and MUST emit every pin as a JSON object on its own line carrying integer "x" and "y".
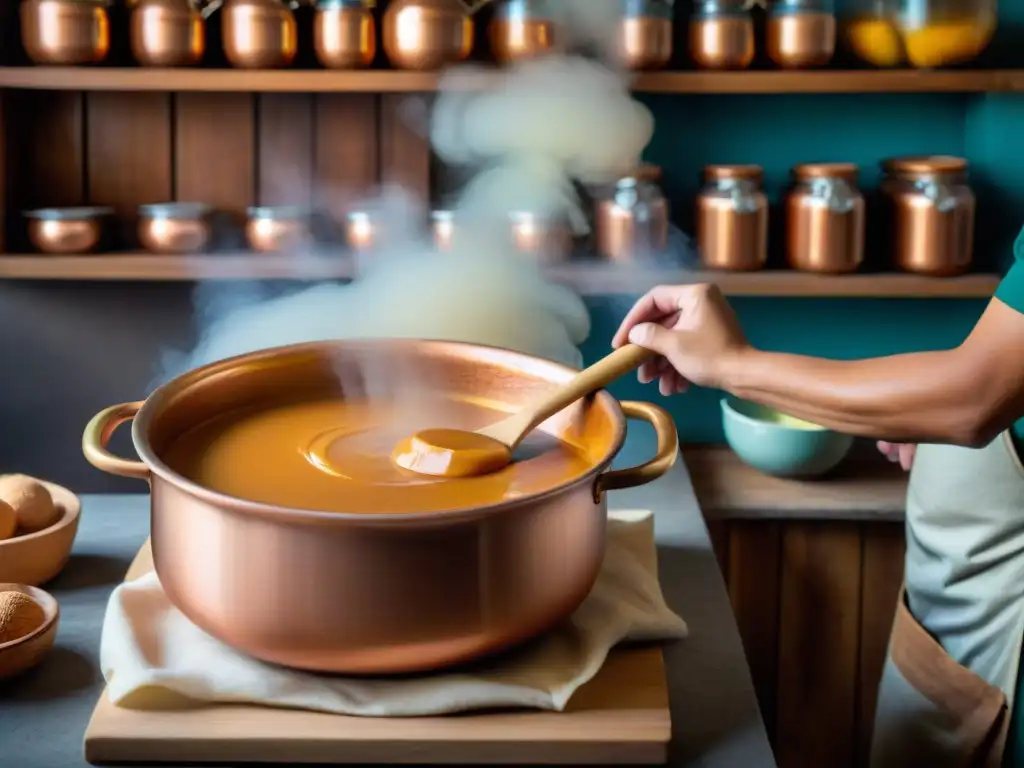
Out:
{"x": 813, "y": 600}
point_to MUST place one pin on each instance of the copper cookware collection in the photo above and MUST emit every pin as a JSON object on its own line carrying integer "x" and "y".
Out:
{"x": 732, "y": 218}
{"x": 447, "y": 585}
{"x": 174, "y": 227}
{"x": 67, "y": 230}
{"x": 825, "y": 219}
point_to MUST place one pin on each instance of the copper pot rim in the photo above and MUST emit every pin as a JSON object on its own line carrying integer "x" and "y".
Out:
{"x": 844, "y": 171}
{"x": 71, "y": 213}
{"x": 924, "y": 164}
{"x": 748, "y": 172}
{"x": 177, "y": 388}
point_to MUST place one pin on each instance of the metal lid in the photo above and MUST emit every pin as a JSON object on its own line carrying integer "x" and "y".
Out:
{"x": 716, "y": 8}
{"x": 846, "y": 171}
{"x": 526, "y": 9}
{"x": 174, "y": 210}
{"x": 277, "y": 212}
{"x": 801, "y": 6}
{"x": 69, "y": 214}
{"x": 327, "y": 5}
{"x": 925, "y": 164}
{"x": 739, "y": 172}
{"x": 648, "y": 9}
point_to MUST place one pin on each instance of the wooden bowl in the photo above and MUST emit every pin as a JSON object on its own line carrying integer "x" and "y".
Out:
{"x": 35, "y": 558}
{"x": 24, "y": 653}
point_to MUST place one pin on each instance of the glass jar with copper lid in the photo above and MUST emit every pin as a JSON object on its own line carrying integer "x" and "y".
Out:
{"x": 931, "y": 213}
{"x": 631, "y": 219}
{"x": 732, "y": 218}
{"x": 801, "y": 33}
{"x": 721, "y": 34}
{"x": 825, "y": 219}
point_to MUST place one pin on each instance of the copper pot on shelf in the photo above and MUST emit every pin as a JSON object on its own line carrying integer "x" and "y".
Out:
{"x": 931, "y": 211}
{"x": 801, "y": 33}
{"x": 442, "y": 225}
{"x": 174, "y": 227}
{"x": 259, "y": 34}
{"x": 67, "y": 230}
{"x": 631, "y": 221}
{"x": 427, "y": 34}
{"x": 721, "y": 35}
{"x": 344, "y": 33}
{"x": 167, "y": 33}
{"x": 825, "y": 219}
{"x": 522, "y": 29}
{"x": 276, "y": 229}
{"x": 547, "y": 239}
{"x": 732, "y": 218}
{"x": 65, "y": 32}
{"x": 644, "y": 34}
{"x": 486, "y": 577}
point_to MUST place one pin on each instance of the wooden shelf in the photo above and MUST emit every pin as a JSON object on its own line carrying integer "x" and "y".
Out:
{"x": 864, "y": 487}
{"x": 394, "y": 81}
{"x": 586, "y": 278}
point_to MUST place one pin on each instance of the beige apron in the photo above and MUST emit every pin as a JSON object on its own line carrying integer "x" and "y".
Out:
{"x": 951, "y": 672}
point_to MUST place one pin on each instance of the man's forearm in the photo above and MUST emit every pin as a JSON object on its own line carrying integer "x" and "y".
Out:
{"x": 920, "y": 397}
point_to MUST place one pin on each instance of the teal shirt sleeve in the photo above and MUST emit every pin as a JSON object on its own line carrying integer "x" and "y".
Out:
{"x": 1011, "y": 288}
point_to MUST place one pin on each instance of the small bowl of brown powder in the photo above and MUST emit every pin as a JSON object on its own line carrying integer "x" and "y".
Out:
{"x": 28, "y": 627}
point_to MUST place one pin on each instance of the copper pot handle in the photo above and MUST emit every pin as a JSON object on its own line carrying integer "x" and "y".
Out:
{"x": 97, "y": 435}
{"x": 664, "y": 457}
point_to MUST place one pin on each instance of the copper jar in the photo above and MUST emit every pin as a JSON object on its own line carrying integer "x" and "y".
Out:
{"x": 258, "y": 34}
{"x": 174, "y": 227}
{"x": 442, "y": 226}
{"x": 522, "y": 29}
{"x": 344, "y": 33}
{"x": 732, "y": 218}
{"x": 427, "y": 34}
{"x": 65, "y": 32}
{"x": 931, "y": 213}
{"x": 644, "y": 34}
{"x": 361, "y": 232}
{"x": 801, "y": 33}
{"x": 631, "y": 221}
{"x": 67, "y": 230}
{"x": 825, "y": 219}
{"x": 548, "y": 239}
{"x": 167, "y": 33}
{"x": 722, "y": 35}
{"x": 457, "y": 584}
{"x": 276, "y": 229}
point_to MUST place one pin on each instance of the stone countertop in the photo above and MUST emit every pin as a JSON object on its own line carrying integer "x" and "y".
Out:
{"x": 715, "y": 718}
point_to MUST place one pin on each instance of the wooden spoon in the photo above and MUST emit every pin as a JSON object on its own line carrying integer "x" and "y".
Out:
{"x": 460, "y": 453}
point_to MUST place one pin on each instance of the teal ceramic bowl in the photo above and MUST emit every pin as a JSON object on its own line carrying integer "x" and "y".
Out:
{"x": 778, "y": 444}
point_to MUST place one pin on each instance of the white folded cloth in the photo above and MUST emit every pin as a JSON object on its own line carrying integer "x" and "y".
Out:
{"x": 153, "y": 657}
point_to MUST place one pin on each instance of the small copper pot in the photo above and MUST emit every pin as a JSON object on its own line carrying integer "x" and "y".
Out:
{"x": 344, "y": 34}
{"x": 644, "y": 34}
{"x": 167, "y": 33}
{"x": 456, "y": 584}
{"x": 65, "y": 32}
{"x": 361, "y": 232}
{"x": 721, "y": 35}
{"x": 825, "y": 219}
{"x": 522, "y": 29}
{"x": 174, "y": 227}
{"x": 732, "y": 218}
{"x": 548, "y": 240}
{"x": 800, "y": 38}
{"x": 67, "y": 230}
{"x": 277, "y": 229}
{"x": 259, "y": 34}
{"x": 631, "y": 221}
{"x": 442, "y": 225}
{"x": 427, "y": 34}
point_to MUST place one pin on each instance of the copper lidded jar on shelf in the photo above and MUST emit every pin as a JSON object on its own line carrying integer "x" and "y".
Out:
{"x": 259, "y": 34}
{"x": 721, "y": 34}
{"x": 931, "y": 214}
{"x": 631, "y": 222}
{"x": 644, "y": 34}
{"x": 825, "y": 219}
{"x": 801, "y": 33}
{"x": 65, "y": 32}
{"x": 522, "y": 29}
{"x": 427, "y": 34}
{"x": 167, "y": 33}
{"x": 732, "y": 218}
{"x": 344, "y": 33}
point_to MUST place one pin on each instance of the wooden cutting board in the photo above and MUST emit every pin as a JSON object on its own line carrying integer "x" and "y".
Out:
{"x": 621, "y": 717}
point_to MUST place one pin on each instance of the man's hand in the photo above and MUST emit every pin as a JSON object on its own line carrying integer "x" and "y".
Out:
{"x": 898, "y": 452}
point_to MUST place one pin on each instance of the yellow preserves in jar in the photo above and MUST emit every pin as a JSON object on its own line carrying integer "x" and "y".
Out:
{"x": 876, "y": 41}
{"x": 948, "y": 42}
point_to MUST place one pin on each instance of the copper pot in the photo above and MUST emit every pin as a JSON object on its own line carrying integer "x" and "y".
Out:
{"x": 427, "y": 34}
{"x": 67, "y": 230}
{"x": 167, "y": 33}
{"x": 305, "y": 589}
{"x": 259, "y": 34}
{"x": 275, "y": 229}
{"x": 442, "y": 224}
{"x": 631, "y": 222}
{"x": 722, "y": 35}
{"x": 800, "y": 37}
{"x": 825, "y": 219}
{"x": 644, "y": 34}
{"x": 732, "y": 218}
{"x": 522, "y": 29}
{"x": 174, "y": 227}
{"x": 65, "y": 32}
{"x": 544, "y": 238}
{"x": 344, "y": 33}
{"x": 931, "y": 209}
